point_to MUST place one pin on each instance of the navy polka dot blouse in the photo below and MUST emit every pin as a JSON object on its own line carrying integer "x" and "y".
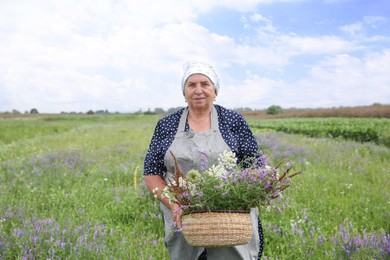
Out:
{"x": 233, "y": 127}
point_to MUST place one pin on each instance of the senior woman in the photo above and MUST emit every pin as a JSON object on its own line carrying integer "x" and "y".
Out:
{"x": 212, "y": 129}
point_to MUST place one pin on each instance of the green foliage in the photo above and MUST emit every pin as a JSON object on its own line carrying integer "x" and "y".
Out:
{"x": 34, "y": 111}
{"x": 342, "y": 182}
{"x": 358, "y": 129}
{"x": 274, "y": 110}
{"x": 12, "y": 130}
{"x": 77, "y": 193}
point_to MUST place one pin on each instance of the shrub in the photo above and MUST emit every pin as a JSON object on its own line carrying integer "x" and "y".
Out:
{"x": 274, "y": 110}
{"x": 34, "y": 111}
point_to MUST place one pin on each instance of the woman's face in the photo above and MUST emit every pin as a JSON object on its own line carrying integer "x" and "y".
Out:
{"x": 199, "y": 92}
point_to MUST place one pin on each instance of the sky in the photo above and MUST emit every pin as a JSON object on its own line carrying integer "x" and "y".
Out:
{"x": 127, "y": 55}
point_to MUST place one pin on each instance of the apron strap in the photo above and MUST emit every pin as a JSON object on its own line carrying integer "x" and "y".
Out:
{"x": 183, "y": 120}
{"x": 184, "y": 115}
{"x": 214, "y": 119}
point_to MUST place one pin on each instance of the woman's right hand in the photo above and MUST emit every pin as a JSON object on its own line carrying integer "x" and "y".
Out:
{"x": 176, "y": 214}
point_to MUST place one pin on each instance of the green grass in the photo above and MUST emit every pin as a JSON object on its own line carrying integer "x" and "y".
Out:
{"x": 343, "y": 182}
{"x": 374, "y": 130}
{"x": 80, "y": 186}
{"x": 71, "y": 187}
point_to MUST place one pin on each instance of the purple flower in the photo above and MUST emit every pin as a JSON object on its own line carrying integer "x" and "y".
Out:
{"x": 244, "y": 175}
{"x": 18, "y": 232}
{"x": 199, "y": 195}
{"x": 321, "y": 240}
{"x": 268, "y": 185}
{"x": 344, "y": 234}
{"x": 186, "y": 195}
{"x": 223, "y": 178}
{"x": 218, "y": 187}
{"x": 181, "y": 229}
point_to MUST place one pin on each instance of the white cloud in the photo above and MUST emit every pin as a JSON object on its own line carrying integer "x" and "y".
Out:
{"x": 318, "y": 45}
{"x": 125, "y": 55}
{"x": 367, "y": 24}
{"x": 341, "y": 80}
{"x": 352, "y": 29}
{"x": 374, "y": 21}
{"x": 255, "y": 91}
{"x": 348, "y": 80}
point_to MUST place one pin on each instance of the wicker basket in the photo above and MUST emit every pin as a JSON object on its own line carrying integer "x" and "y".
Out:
{"x": 217, "y": 229}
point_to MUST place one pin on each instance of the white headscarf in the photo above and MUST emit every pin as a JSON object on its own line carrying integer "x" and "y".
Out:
{"x": 198, "y": 67}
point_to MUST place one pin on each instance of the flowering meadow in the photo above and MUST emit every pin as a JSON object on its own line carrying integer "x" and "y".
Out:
{"x": 71, "y": 188}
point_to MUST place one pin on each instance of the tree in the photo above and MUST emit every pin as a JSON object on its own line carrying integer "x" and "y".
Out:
{"x": 159, "y": 110}
{"x": 34, "y": 111}
{"x": 274, "y": 110}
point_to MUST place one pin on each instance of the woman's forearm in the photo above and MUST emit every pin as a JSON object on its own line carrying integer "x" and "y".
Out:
{"x": 155, "y": 185}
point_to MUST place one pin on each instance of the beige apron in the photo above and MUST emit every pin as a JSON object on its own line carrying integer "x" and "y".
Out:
{"x": 187, "y": 148}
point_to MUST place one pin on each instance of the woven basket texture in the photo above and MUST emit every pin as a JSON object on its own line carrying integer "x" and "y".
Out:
{"x": 217, "y": 229}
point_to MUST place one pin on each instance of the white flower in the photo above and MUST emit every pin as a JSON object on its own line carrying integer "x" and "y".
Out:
{"x": 172, "y": 183}
{"x": 228, "y": 160}
{"x": 216, "y": 171}
{"x": 166, "y": 194}
{"x": 193, "y": 189}
{"x": 182, "y": 182}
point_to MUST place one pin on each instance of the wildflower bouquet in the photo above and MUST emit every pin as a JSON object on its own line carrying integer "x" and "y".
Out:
{"x": 228, "y": 186}
{"x": 217, "y": 201}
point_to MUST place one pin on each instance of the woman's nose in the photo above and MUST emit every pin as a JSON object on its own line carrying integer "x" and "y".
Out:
{"x": 198, "y": 89}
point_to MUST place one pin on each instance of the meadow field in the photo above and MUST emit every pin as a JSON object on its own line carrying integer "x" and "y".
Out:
{"x": 71, "y": 188}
